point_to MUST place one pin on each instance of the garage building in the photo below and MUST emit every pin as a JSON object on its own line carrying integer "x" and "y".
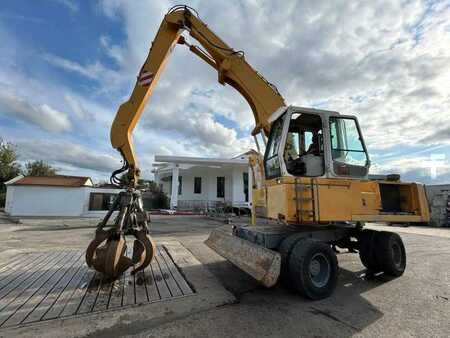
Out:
{"x": 67, "y": 196}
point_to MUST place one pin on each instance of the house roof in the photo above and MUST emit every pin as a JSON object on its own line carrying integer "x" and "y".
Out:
{"x": 107, "y": 186}
{"x": 55, "y": 181}
{"x": 199, "y": 160}
{"x": 246, "y": 154}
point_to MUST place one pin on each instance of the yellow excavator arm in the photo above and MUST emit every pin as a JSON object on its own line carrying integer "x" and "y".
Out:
{"x": 231, "y": 66}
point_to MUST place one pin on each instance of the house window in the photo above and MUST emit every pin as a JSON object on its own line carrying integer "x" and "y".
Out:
{"x": 197, "y": 185}
{"x": 101, "y": 201}
{"x": 221, "y": 187}
{"x": 180, "y": 185}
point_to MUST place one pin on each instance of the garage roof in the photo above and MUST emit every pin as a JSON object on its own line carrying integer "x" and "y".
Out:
{"x": 56, "y": 181}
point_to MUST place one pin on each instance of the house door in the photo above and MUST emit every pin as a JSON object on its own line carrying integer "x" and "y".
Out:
{"x": 221, "y": 187}
{"x": 245, "y": 179}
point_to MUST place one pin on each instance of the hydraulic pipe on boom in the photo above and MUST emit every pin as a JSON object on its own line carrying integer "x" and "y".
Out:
{"x": 106, "y": 253}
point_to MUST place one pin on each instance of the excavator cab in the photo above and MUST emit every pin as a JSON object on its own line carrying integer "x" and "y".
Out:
{"x": 306, "y": 142}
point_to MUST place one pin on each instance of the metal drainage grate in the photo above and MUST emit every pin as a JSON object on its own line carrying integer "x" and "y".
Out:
{"x": 58, "y": 284}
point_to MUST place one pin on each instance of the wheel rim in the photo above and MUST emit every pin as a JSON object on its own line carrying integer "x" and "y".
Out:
{"x": 319, "y": 270}
{"x": 396, "y": 255}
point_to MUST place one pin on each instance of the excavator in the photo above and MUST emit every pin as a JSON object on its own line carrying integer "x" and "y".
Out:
{"x": 312, "y": 192}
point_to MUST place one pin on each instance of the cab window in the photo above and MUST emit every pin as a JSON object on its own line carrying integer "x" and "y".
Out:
{"x": 347, "y": 149}
{"x": 271, "y": 161}
{"x": 303, "y": 152}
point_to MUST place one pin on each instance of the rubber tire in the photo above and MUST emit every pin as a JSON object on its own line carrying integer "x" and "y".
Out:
{"x": 368, "y": 248}
{"x": 285, "y": 250}
{"x": 386, "y": 241}
{"x": 299, "y": 276}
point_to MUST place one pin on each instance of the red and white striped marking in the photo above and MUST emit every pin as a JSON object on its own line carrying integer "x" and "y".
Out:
{"x": 145, "y": 78}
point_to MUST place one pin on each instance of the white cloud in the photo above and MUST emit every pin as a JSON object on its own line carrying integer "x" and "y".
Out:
{"x": 431, "y": 169}
{"x": 91, "y": 71}
{"x": 66, "y": 153}
{"x": 42, "y": 115}
{"x": 115, "y": 52}
{"x": 77, "y": 107}
{"x": 69, "y": 4}
{"x": 14, "y": 16}
{"x": 109, "y": 81}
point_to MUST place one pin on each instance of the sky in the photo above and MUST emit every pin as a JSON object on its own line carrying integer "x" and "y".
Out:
{"x": 66, "y": 66}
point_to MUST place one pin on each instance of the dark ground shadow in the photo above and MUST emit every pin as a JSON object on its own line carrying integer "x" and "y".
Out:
{"x": 347, "y": 306}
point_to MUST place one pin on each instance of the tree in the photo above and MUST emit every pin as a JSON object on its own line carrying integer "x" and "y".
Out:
{"x": 153, "y": 196}
{"x": 125, "y": 178}
{"x": 160, "y": 199}
{"x": 39, "y": 168}
{"x": 9, "y": 167}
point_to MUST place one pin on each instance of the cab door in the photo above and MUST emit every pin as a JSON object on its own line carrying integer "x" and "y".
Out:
{"x": 349, "y": 157}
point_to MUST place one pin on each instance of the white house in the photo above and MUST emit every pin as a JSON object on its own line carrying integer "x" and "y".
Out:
{"x": 195, "y": 182}
{"x": 71, "y": 196}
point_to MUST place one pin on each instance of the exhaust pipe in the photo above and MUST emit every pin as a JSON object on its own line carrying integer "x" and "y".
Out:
{"x": 262, "y": 264}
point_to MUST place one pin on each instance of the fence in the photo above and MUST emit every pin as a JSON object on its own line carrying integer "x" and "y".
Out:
{"x": 202, "y": 205}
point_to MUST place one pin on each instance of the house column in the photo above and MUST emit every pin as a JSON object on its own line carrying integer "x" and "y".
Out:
{"x": 250, "y": 184}
{"x": 237, "y": 186}
{"x": 250, "y": 195}
{"x": 174, "y": 194}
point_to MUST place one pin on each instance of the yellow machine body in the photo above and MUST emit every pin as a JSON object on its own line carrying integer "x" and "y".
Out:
{"x": 323, "y": 200}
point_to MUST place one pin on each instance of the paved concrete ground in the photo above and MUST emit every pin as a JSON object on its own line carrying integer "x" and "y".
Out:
{"x": 417, "y": 304}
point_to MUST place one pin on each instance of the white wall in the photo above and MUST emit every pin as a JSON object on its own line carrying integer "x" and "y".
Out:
{"x": 45, "y": 201}
{"x": 52, "y": 201}
{"x": 238, "y": 184}
{"x": 234, "y": 184}
{"x": 9, "y": 198}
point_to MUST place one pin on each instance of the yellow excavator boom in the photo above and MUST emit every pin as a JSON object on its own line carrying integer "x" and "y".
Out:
{"x": 231, "y": 66}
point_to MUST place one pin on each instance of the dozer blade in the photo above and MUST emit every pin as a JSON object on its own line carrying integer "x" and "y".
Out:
{"x": 262, "y": 264}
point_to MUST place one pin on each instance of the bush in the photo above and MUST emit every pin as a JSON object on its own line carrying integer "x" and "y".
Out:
{"x": 155, "y": 200}
{"x": 161, "y": 200}
{"x": 2, "y": 199}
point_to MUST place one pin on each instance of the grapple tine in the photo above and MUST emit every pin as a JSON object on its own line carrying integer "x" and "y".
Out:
{"x": 100, "y": 237}
{"x": 139, "y": 252}
{"x": 115, "y": 260}
{"x": 150, "y": 250}
{"x": 109, "y": 258}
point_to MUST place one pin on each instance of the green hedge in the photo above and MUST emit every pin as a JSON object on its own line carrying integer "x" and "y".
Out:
{"x": 2, "y": 199}
{"x": 159, "y": 200}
